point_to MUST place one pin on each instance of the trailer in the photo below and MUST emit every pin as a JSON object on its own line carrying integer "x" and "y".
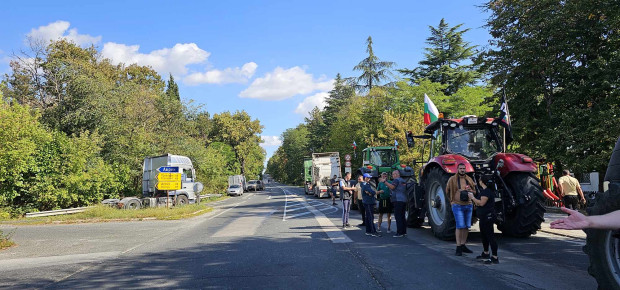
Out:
{"x": 324, "y": 167}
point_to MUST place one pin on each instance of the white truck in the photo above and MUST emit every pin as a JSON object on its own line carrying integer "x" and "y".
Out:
{"x": 153, "y": 197}
{"x": 324, "y": 167}
{"x": 238, "y": 180}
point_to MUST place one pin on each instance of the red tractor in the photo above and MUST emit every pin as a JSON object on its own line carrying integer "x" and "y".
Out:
{"x": 475, "y": 142}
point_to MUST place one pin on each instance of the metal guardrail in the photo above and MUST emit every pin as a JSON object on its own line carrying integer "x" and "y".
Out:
{"x": 81, "y": 209}
{"x": 56, "y": 212}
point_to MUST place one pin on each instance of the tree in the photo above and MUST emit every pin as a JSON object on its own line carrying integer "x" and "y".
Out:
{"x": 242, "y": 133}
{"x": 172, "y": 91}
{"x": 557, "y": 62}
{"x": 374, "y": 71}
{"x": 443, "y": 60}
{"x": 339, "y": 97}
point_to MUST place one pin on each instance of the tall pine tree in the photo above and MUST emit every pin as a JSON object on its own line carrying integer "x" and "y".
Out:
{"x": 172, "y": 91}
{"x": 446, "y": 60}
{"x": 374, "y": 71}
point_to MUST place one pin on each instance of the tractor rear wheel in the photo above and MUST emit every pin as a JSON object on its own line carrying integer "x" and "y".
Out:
{"x": 530, "y": 213}
{"x": 439, "y": 212}
{"x": 603, "y": 246}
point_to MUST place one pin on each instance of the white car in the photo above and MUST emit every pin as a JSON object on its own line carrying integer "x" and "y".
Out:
{"x": 235, "y": 189}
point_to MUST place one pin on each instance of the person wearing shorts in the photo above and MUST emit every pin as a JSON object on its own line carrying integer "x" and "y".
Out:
{"x": 461, "y": 207}
{"x": 385, "y": 204}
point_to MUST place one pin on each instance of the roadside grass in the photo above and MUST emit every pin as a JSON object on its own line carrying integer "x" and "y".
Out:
{"x": 5, "y": 242}
{"x": 102, "y": 213}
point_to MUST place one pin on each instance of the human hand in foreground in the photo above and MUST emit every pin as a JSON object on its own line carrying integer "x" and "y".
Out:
{"x": 576, "y": 221}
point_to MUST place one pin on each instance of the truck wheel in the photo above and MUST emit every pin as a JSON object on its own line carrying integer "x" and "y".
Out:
{"x": 603, "y": 246}
{"x": 439, "y": 211}
{"x": 133, "y": 204}
{"x": 181, "y": 200}
{"x": 530, "y": 214}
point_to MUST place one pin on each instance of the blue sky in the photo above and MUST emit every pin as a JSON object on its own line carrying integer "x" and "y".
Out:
{"x": 273, "y": 59}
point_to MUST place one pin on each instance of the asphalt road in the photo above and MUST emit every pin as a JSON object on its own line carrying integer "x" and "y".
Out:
{"x": 277, "y": 238}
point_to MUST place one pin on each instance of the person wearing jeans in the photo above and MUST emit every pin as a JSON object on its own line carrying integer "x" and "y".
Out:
{"x": 345, "y": 197}
{"x": 457, "y": 188}
{"x": 368, "y": 195}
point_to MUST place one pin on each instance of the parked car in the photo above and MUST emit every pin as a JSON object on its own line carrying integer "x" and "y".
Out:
{"x": 260, "y": 185}
{"x": 254, "y": 185}
{"x": 235, "y": 189}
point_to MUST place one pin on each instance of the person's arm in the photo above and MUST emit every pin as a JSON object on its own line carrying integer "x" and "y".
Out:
{"x": 561, "y": 189}
{"x": 578, "y": 221}
{"x": 479, "y": 202}
{"x": 389, "y": 185}
{"x": 583, "y": 198}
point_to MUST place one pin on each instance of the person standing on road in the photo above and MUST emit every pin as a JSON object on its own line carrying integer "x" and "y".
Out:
{"x": 346, "y": 192}
{"x": 458, "y": 188}
{"x": 385, "y": 204}
{"x": 369, "y": 197}
{"x": 569, "y": 188}
{"x": 359, "y": 199}
{"x": 334, "y": 188}
{"x": 485, "y": 211}
{"x": 399, "y": 198}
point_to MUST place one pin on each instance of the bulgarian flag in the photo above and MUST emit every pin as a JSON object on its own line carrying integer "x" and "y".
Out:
{"x": 430, "y": 111}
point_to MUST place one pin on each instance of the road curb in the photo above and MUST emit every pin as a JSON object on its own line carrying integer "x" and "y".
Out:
{"x": 562, "y": 234}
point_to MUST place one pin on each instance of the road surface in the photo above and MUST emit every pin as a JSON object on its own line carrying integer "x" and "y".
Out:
{"x": 278, "y": 239}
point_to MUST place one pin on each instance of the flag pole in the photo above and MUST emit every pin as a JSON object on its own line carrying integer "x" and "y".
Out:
{"x": 504, "y": 139}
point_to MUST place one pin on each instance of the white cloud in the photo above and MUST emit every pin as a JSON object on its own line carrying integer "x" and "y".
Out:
{"x": 316, "y": 100}
{"x": 166, "y": 60}
{"x": 229, "y": 75}
{"x": 60, "y": 29}
{"x": 285, "y": 83}
{"x": 269, "y": 141}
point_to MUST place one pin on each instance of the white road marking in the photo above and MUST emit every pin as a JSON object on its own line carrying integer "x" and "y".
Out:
{"x": 269, "y": 197}
{"x": 335, "y": 234}
{"x": 26, "y": 263}
{"x": 244, "y": 226}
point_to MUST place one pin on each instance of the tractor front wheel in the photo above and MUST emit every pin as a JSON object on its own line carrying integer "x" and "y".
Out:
{"x": 439, "y": 210}
{"x": 530, "y": 210}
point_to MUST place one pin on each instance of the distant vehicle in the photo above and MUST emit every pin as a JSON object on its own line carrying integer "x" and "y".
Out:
{"x": 254, "y": 185}
{"x": 308, "y": 174}
{"x": 235, "y": 189}
{"x": 324, "y": 167}
{"x": 260, "y": 185}
{"x": 238, "y": 179}
{"x": 153, "y": 197}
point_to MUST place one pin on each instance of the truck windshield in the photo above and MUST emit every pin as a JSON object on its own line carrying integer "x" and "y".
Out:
{"x": 382, "y": 157}
{"x": 473, "y": 143}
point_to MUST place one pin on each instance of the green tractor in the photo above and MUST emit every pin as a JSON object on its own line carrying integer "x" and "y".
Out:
{"x": 377, "y": 160}
{"x": 308, "y": 175}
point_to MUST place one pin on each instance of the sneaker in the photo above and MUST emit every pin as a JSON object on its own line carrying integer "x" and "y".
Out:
{"x": 398, "y": 236}
{"x": 484, "y": 256}
{"x": 389, "y": 231}
{"x": 465, "y": 249}
{"x": 368, "y": 234}
{"x": 376, "y": 235}
{"x": 334, "y": 203}
{"x": 378, "y": 230}
{"x": 459, "y": 251}
{"x": 492, "y": 261}
{"x": 347, "y": 225}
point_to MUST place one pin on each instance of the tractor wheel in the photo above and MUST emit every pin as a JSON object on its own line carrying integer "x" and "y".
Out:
{"x": 439, "y": 211}
{"x": 530, "y": 214}
{"x": 603, "y": 246}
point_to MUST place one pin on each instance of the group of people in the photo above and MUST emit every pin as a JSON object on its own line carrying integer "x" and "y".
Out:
{"x": 390, "y": 194}
{"x": 463, "y": 194}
